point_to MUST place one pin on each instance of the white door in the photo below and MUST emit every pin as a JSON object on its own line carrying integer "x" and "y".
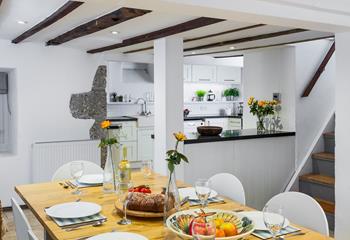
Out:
{"x": 203, "y": 73}
{"x": 145, "y": 144}
{"x": 230, "y": 75}
{"x": 187, "y": 73}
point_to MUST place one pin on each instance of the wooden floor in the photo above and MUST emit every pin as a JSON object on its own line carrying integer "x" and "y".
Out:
{"x": 11, "y": 234}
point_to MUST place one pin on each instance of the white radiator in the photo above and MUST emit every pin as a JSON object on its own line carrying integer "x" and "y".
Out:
{"x": 49, "y": 156}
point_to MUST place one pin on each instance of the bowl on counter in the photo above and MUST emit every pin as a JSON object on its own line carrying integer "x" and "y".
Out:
{"x": 209, "y": 130}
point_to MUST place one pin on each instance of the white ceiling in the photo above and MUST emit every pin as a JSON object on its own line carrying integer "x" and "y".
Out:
{"x": 34, "y": 11}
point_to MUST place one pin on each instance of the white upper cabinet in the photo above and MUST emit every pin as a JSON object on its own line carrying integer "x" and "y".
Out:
{"x": 230, "y": 75}
{"x": 203, "y": 73}
{"x": 187, "y": 73}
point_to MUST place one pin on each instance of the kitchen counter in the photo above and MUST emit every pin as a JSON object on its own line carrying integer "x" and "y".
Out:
{"x": 194, "y": 118}
{"x": 122, "y": 119}
{"x": 231, "y": 135}
{"x": 263, "y": 162}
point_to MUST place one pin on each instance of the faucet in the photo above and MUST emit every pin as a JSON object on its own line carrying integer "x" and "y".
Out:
{"x": 144, "y": 107}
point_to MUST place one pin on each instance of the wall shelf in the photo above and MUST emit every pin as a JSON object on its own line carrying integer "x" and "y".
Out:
{"x": 214, "y": 102}
{"x": 126, "y": 103}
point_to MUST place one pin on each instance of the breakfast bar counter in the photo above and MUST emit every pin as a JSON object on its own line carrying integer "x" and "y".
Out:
{"x": 263, "y": 162}
{"x": 230, "y": 135}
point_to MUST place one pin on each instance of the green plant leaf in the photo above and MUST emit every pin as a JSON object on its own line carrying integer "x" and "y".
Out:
{"x": 171, "y": 166}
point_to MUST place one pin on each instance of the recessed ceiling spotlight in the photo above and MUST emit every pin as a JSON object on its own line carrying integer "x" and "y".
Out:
{"x": 193, "y": 52}
{"x": 232, "y": 47}
{"x": 22, "y": 22}
{"x": 115, "y": 32}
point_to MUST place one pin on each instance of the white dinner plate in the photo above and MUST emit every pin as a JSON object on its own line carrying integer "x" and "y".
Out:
{"x": 118, "y": 235}
{"x": 258, "y": 219}
{"x": 91, "y": 179}
{"x": 191, "y": 193}
{"x": 73, "y": 210}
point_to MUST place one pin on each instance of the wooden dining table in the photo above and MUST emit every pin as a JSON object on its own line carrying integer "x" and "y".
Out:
{"x": 43, "y": 195}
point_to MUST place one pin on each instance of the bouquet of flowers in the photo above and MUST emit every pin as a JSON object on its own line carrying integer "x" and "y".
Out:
{"x": 261, "y": 109}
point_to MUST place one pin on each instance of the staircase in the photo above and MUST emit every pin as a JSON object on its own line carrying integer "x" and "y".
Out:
{"x": 320, "y": 183}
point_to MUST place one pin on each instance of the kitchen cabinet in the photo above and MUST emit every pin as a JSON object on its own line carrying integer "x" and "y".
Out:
{"x": 203, "y": 73}
{"x": 191, "y": 126}
{"x": 230, "y": 75}
{"x": 127, "y": 132}
{"x": 220, "y": 122}
{"x": 132, "y": 151}
{"x": 145, "y": 144}
{"x": 187, "y": 69}
{"x": 234, "y": 123}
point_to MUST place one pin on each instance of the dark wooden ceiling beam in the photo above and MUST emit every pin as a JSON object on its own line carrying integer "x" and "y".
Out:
{"x": 203, "y": 37}
{"x": 121, "y": 15}
{"x": 246, "y": 39}
{"x": 67, "y": 8}
{"x": 165, "y": 32}
{"x": 319, "y": 71}
{"x": 259, "y": 47}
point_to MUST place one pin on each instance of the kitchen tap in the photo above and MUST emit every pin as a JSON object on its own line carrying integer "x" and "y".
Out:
{"x": 144, "y": 107}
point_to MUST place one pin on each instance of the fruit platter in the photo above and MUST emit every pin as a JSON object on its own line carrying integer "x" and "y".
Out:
{"x": 228, "y": 225}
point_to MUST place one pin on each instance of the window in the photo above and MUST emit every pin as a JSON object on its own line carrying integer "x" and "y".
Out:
{"x": 5, "y": 113}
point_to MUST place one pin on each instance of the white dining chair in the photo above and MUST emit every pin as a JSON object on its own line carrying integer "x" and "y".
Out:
{"x": 63, "y": 172}
{"x": 302, "y": 209}
{"x": 21, "y": 221}
{"x": 32, "y": 235}
{"x": 229, "y": 186}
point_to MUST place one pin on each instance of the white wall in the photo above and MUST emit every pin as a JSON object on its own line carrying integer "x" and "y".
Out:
{"x": 45, "y": 78}
{"x": 342, "y": 129}
{"x": 312, "y": 112}
{"x": 268, "y": 71}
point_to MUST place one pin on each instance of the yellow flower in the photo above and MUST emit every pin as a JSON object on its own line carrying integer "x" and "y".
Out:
{"x": 261, "y": 103}
{"x": 180, "y": 136}
{"x": 250, "y": 101}
{"x": 274, "y": 102}
{"x": 105, "y": 124}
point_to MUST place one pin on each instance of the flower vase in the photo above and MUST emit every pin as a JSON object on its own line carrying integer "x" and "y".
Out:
{"x": 172, "y": 197}
{"x": 260, "y": 125}
{"x": 109, "y": 173}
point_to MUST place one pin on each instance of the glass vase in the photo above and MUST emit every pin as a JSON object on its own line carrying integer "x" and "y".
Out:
{"x": 172, "y": 197}
{"x": 260, "y": 124}
{"x": 109, "y": 173}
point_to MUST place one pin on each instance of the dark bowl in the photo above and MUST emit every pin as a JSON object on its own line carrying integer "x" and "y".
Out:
{"x": 209, "y": 130}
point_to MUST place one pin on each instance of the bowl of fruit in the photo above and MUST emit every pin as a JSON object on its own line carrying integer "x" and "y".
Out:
{"x": 228, "y": 225}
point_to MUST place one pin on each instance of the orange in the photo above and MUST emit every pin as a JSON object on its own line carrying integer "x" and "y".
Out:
{"x": 218, "y": 222}
{"x": 229, "y": 229}
{"x": 220, "y": 233}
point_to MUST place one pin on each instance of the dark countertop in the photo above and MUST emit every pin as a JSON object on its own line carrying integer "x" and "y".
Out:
{"x": 193, "y": 118}
{"x": 122, "y": 119}
{"x": 231, "y": 135}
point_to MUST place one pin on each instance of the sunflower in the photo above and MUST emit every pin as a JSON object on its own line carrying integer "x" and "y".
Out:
{"x": 180, "y": 136}
{"x": 105, "y": 124}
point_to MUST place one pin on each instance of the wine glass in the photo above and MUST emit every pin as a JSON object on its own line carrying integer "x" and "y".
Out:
{"x": 146, "y": 169}
{"x": 203, "y": 229}
{"x": 273, "y": 219}
{"x": 202, "y": 187}
{"x": 76, "y": 171}
{"x": 123, "y": 197}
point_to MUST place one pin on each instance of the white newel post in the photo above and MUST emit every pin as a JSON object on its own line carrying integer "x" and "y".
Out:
{"x": 342, "y": 130}
{"x": 168, "y": 95}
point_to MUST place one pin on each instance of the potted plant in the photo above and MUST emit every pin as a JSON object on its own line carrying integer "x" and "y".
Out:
{"x": 200, "y": 95}
{"x": 231, "y": 94}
